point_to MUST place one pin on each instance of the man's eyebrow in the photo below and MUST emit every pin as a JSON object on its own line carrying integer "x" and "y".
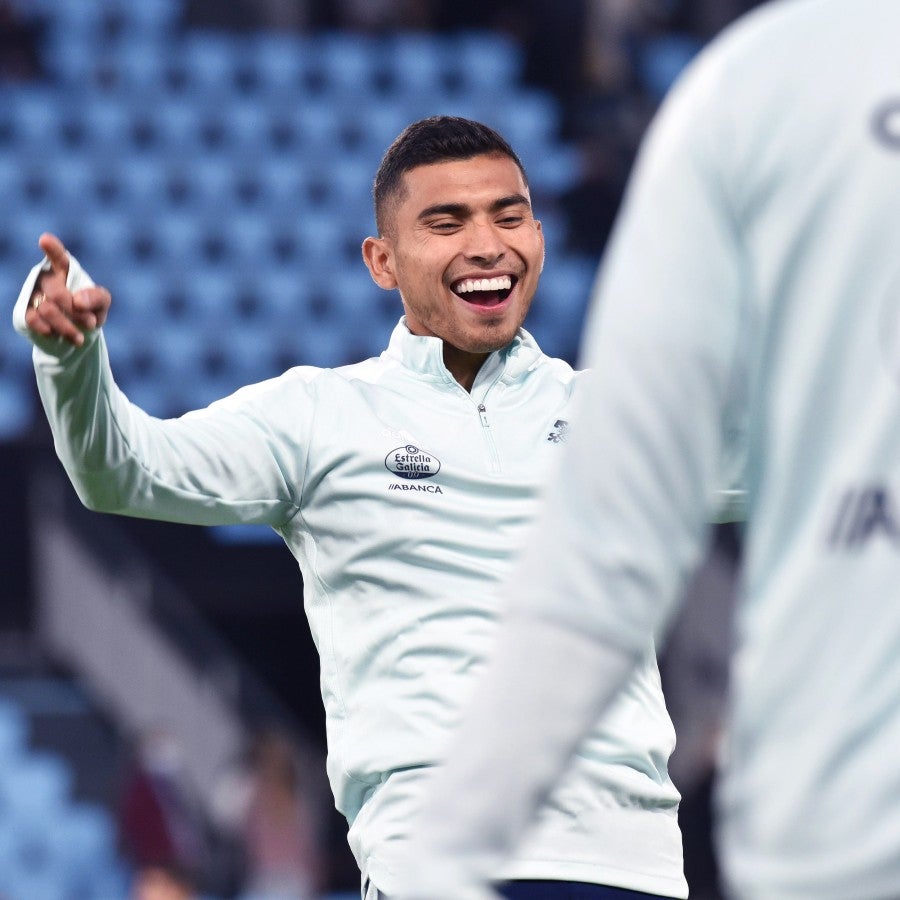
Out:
{"x": 463, "y": 209}
{"x": 445, "y": 209}
{"x": 511, "y": 200}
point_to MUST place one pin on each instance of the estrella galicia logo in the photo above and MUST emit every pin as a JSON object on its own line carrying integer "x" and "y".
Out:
{"x": 560, "y": 434}
{"x": 412, "y": 463}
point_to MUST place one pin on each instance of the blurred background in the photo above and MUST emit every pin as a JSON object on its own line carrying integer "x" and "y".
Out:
{"x": 161, "y": 730}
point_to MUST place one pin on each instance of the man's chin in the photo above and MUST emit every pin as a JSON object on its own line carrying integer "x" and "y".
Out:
{"x": 495, "y": 339}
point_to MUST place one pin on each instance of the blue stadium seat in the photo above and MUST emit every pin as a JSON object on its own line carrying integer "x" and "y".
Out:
{"x": 212, "y": 297}
{"x": 281, "y": 338}
{"x": 10, "y": 179}
{"x": 346, "y": 63}
{"x": 177, "y": 236}
{"x": 471, "y": 106}
{"x": 486, "y": 62}
{"x": 111, "y": 882}
{"x": 321, "y": 240}
{"x": 138, "y": 295}
{"x": 36, "y": 787}
{"x": 69, "y": 52}
{"x": 13, "y": 722}
{"x": 279, "y": 62}
{"x": 288, "y": 297}
{"x": 67, "y": 182}
{"x": 23, "y": 230}
{"x": 532, "y": 119}
{"x": 109, "y": 242}
{"x": 202, "y": 389}
{"x": 552, "y": 168}
{"x": 565, "y": 288}
{"x": 143, "y": 182}
{"x": 419, "y": 63}
{"x": 319, "y": 345}
{"x": 342, "y": 189}
{"x": 136, "y": 62}
{"x": 380, "y": 123}
{"x": 255, "y": 349}
{"x": 149, "y": 17}
{"x": 165, "y": 384}
{"x": 34, "y": 880}
{"x": 249, "y": 239}
{"x": 247, "y": 126}
{"x": 661, "y": 59}
{"x": 73, "y": 15}
{"x": 103, "y": 123}
{"x": 152, "y": 395}
{"x": 210, "y": 60}
{"x": 175, "y": 125}
{"x": 213, "y": 183}
{"x": 16, "y": 408}
{"x": 35, "y": 114}
{"x": 320, "y": 131}
{"x": 87, "y": 837}
{"x": 282, "y": 182}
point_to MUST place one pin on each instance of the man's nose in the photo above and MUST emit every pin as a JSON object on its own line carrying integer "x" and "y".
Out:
{"x": 485, "y": 243}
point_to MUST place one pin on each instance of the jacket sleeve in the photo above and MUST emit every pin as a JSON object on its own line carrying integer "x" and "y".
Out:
{"x": 233, "y": 462}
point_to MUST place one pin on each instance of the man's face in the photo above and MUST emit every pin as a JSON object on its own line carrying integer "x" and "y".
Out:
{"x": 464, "y": 250}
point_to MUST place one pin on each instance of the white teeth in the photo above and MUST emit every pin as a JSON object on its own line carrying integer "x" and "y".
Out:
{"x": 503, "y": 283}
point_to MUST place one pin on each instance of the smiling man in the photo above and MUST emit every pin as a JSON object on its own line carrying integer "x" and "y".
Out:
{"x": 403, "y": 486}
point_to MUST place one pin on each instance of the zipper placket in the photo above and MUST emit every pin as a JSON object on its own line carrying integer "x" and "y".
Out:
{"x": 481, "y": 409}
{"x": 486, "y": 431}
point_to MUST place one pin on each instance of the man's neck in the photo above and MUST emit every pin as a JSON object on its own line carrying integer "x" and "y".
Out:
{"x": 463, "y": 366}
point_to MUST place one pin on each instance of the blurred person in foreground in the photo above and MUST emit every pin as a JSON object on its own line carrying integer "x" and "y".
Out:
{"x": 759, "y": 252}
{"x": 403, "y": 486}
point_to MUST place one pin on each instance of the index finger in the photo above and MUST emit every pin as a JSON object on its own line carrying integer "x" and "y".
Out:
{"x": 56, "y": 253}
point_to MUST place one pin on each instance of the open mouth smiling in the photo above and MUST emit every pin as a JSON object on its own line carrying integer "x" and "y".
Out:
{"x": 485, "y": 291}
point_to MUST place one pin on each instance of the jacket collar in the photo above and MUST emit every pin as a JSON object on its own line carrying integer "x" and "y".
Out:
{"x": 425, "y": 356}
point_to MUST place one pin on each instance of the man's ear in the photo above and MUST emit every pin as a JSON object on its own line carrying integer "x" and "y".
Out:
{"x": 540, "y": 229}
{"x": 379, "y": 260}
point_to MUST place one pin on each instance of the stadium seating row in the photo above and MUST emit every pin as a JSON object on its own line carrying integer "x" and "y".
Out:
{"x": 212, "y": 63}
{"x": 51, "y": 847}
{"x": 220, "y": 185}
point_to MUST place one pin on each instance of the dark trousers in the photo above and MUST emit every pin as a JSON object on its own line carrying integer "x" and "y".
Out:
{"x": 568, "y": 890}
{"x": 565, "y": 890}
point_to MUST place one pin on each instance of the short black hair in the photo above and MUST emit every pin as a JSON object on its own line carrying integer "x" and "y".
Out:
{"x": 434, "y": 140}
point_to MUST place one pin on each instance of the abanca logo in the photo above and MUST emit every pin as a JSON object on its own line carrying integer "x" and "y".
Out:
{"x": 412, "y": 463}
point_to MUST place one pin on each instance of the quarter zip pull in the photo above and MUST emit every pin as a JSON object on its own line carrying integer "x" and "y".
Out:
{"x": 489, "y": 438}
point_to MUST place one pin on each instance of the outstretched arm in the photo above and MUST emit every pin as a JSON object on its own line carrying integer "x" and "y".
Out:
{"x": 217, "y": 466}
